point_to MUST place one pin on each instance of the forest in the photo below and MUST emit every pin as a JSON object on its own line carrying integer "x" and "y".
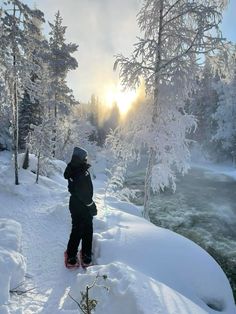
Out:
{"x": 172, "y": 107}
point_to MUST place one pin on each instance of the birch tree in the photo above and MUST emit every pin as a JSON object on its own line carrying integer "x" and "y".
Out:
{"x": 174, "y": 32}
{"x": 15, "y": 45}
{"x": 40, "y": 140}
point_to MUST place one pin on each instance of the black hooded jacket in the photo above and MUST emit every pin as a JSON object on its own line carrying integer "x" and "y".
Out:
{"x": 79, "y": 181}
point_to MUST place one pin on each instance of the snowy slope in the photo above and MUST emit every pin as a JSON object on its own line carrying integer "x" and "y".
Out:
{"x": 149, "y": 269}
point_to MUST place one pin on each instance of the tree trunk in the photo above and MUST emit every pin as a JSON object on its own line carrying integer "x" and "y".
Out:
{"x": 38, "y": 166}
{"x": 55, "y": 127}
{"x": 147, "y": 186}
{"x": 15, "y": 107}
{"x": 15, "y": 133}
{"x": 151, "y": 157}
{"x": 26, "y": 159}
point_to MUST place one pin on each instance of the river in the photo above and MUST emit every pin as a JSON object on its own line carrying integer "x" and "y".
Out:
{"x": 203, "y": 209}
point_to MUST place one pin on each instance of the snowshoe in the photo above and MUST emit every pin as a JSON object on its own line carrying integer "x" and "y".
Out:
{"x": 85, "y": 260}
{"x": 72, "y": 262}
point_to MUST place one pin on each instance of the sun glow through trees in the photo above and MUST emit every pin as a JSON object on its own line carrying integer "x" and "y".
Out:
{"x": 123, "y": 99}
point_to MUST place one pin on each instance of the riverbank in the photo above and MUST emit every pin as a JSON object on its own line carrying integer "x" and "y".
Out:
{"x": 202, "y": 209}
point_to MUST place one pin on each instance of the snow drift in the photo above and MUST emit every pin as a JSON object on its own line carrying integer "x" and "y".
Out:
{"x": 12, "y": 263}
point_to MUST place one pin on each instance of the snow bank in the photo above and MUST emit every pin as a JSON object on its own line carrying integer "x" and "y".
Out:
{"x": 130, "y": 291}
{"x": 12, "y": 263}
{"x": 152, "y": 270}
{"x": 50, "y": 168}
{"x": 48, "y": 185}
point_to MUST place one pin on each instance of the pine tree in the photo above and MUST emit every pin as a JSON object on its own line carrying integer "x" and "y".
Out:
{"x": 30, "y": 108}
{"x": 93, "y": 117}
{"x": 60, "y": 63}
{"x": 203, "y": 104}
{"x": 174, "y": 33}
{"x": 93, "y": 106}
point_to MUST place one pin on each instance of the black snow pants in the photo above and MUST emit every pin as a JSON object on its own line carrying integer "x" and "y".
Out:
{"x": 82, "y": 228}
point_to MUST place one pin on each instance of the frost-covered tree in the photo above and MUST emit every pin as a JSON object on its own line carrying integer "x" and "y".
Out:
{"x": 5, "y": 136}
{"x": 102, "y": 119}
{"x": 30, "y": 112}
{"x": 175, "y": 32}
{"x": 225, "y": 115}
{"x": 94, "y": 105}
{"x": 76, "y": 131}
{"x": 15, "y": 46}
{"x": 202, "y": 104}
{"x": 210, "y": 103}
{"x": 60, "y": 63}
{"x": 41, "y": 141}
{"x": 30, "y": 108}
{"x": 93, "y": 108}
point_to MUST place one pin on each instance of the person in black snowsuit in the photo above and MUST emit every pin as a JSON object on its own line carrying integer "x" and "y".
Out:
{"x": 81, "y": 206}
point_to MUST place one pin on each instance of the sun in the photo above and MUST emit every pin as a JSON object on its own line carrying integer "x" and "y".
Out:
{"x": 123, "y": 99}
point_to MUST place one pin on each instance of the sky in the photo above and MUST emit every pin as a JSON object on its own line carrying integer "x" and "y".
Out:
{"x": 102, "y": 29}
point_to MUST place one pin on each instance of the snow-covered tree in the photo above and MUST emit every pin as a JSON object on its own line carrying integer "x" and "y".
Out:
{"x": 76, "y": 131}
{"x": 30, "y": 108}
{"x": 15, "y": 46}
{"x": 30, "y": 112}
{"x": 60, "y": 63}
{"x": 209, "y": 102}
{"x": 225, "y": 115}
{"x": 5, "y": 114}
{"x": 102, "y": 119}
{"x": 41, "y": 141}
{"x": 202, "y": 104}
{"x": 174, "y": 33}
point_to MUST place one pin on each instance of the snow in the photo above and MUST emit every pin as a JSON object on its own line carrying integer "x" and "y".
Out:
{"x": 149, "y": 269}
{"x": 12, "y": 263}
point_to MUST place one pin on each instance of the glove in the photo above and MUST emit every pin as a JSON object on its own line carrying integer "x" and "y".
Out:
{"x": 93, "y": 209}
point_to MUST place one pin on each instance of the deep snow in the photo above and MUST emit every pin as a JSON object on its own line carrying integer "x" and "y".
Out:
{"x": 149, "y": 269}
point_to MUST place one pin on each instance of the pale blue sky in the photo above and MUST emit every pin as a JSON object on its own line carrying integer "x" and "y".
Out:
{"x": 103, "y": 28}
{"x": 229, "y": 21}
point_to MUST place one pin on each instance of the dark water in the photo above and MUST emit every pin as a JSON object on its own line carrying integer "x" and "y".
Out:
{"x": 203, "y": 209}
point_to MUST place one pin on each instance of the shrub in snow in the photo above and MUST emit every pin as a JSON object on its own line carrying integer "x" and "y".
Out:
{"x": 87, "y": 304}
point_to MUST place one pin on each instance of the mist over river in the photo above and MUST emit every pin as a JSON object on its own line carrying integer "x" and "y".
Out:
{"x": 203, "y": 209}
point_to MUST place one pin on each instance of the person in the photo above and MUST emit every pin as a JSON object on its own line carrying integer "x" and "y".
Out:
{"x": 82, "y": 209}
